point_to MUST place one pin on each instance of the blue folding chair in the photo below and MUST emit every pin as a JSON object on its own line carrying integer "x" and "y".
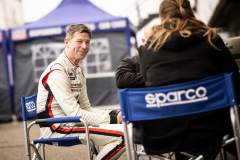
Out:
{"x": 198, "y": 96}
{"x": 29, "y": 112}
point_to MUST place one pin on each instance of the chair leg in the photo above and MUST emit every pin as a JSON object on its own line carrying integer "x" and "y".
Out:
{"x": 27, "y": 142}
{"x": 36, "y": 151}
{"x": 131, "y": 144}
{"x": 235, "y": 123}
{"x": 224, "y": 154}
{"x": 87, "y": 139}
{"x": 134, "y": 149}
{"x": 43, "y": 151}
{"x": 88, "y": 146}
{"x": 170, "y": 155}
{"x": 93, "y": 148}
{"x": 199, "y": 157}
{"x": 221, "y": 154}
{"x": 37, "y": 147}
{"x": 189, "y": 155}
{"x": 126, "y": 138}
{"x": 34, "y": 154}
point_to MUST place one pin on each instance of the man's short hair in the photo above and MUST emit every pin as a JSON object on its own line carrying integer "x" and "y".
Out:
{"x": 80, "y": 28}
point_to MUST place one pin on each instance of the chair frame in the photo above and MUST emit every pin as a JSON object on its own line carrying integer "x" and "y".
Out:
{"x": 132, "y": 153}
{"x": 90, "y": 144}
{"x": 28, "y": 144}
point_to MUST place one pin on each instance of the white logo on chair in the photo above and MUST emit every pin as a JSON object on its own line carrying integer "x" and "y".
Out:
{"x": 176, "y": 97}
{"x": 30, "y": 106}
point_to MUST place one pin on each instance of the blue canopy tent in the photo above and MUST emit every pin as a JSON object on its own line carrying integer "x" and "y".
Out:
{"x": 5, "y": 98}
{"x": 34, "y": 46}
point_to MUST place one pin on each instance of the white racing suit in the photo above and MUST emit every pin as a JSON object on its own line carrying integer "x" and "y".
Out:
{"x": 62, "y": 93}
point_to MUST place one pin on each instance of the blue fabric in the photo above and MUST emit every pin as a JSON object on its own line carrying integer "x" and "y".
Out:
{"x": 29, "y": 111}
{"x": 176, "y": 100}
{"x": 65, "y": 141}
{"x": 2, "y": 32}
{"x": 63, "y": 119}
{"x": 71, "y": 12}
{"x": 6, "y": 107}
{"x": 29, "y": 107}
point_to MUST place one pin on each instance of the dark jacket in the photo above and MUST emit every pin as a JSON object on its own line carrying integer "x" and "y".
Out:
{"x": 182, "y": 60}
{"x": 128, "y": 73}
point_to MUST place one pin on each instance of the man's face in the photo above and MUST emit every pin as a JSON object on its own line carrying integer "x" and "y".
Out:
{"x": 143, "y": 41}
{"x": 79, "y": 45}
{"x": 147, "y": 34}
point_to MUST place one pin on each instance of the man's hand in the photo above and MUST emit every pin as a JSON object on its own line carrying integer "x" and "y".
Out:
{"x": 119, "y": 114}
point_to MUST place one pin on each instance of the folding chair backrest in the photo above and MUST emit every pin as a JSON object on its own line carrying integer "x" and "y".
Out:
{"x": 29, "y": 107}
{"x": 175, "y": 100}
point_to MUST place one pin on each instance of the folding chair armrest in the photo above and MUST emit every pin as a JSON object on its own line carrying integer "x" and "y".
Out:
{"x": 61, "y": 120}
{"x": 40, "y": 121}
{"x": 58, "y": 120}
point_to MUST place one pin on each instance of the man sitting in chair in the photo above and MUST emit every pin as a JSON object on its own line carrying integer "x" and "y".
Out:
{"x": 62, "y": 92}
{"x": 128, "y": 73}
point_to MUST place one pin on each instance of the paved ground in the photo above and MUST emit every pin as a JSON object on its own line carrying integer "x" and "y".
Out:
{"x": 12, "y": 145}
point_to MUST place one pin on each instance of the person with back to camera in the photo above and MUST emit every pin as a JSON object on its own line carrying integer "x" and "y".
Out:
{"x": 62, "y": 92}
{"x": 182, "y": 49}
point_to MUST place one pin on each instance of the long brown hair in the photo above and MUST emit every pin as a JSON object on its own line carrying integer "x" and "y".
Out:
{"x": 177, "y": 16}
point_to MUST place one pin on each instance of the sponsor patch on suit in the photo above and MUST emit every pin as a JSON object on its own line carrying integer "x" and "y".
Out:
{"x": 72, "y": 78}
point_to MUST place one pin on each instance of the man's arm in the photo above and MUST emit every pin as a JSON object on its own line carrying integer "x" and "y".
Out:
{"x": 63, "y": 95}
{"x": 85, "y": 104}
{"x": 128, "y": 73}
